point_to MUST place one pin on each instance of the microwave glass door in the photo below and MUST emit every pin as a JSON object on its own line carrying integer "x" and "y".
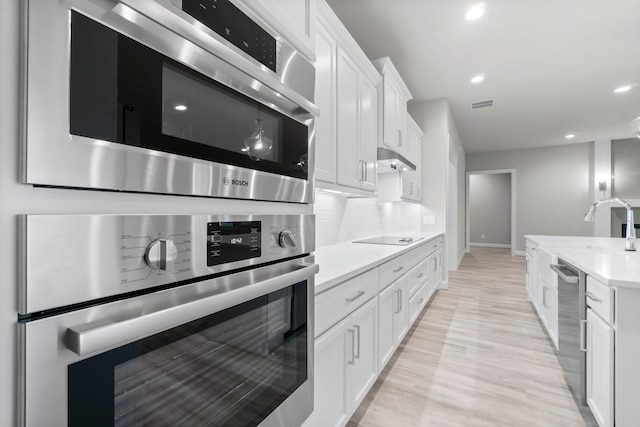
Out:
{"x": 122, "y": 91}
{"x": 231, "y": 368}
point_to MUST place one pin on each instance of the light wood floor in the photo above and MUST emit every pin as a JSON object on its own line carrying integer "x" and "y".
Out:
{"x": 477, "y": 356}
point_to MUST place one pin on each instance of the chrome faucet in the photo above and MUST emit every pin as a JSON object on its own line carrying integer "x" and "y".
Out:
{"x": 630, "y": 243}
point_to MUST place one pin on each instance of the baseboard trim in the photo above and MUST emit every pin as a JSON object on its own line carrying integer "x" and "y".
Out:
{"x": 444, "y": 284}
{"x": 521, "y": 253}
{"x": 460, "y": 258}
{"x": 491, "y": 245}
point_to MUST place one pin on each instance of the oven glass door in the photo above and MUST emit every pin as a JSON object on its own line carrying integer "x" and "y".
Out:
{"x": 231, "y": 368}
{"x": 124, "y": 92}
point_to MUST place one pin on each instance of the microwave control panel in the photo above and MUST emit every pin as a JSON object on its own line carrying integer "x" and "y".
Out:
{"x": 230, "y": 241}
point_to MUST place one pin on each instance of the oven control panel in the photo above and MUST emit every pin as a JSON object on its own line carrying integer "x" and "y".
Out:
{"x": 74, "y": 258}
{"x": 229, "y": 241}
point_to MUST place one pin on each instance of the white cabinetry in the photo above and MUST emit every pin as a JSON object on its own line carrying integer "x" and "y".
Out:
{"x": 359, "y": 323}
{"x": 400, "y": 184}
{"x": 361, "y": 345}
{"x": 347, "y": 95}
{"x": 542, "y": 287}
{"x": 329, "y": 397}
{"x": 393, "y": 319}
{"x": 393, "y": 99}
{"x": 293, "y": 19}
{"x": 346, "y": 324}
{"x": 600, "y": 353}
{"x": 600, "y": 369}
{"x": 411, "y": 180}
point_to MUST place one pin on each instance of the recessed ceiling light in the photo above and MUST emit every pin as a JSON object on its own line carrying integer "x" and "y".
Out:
{"x": 570, "y": 136}
{"x": 475, "y": 12}
{"x": 180, "y": 107}
{"x": 623, "y": 89}
{"x": 478, "y": 78}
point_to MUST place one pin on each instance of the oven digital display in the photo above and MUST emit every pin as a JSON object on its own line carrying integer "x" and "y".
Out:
{"x": 233, "y": 241}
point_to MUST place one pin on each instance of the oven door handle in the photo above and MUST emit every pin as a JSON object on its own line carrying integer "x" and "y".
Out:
{"x": 104, "y": 334}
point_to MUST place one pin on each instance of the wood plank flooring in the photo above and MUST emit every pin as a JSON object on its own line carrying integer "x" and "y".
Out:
{"x": 477, "y": 356}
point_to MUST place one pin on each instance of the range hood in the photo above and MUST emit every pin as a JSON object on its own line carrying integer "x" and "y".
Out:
{"x": 390, "y": 161}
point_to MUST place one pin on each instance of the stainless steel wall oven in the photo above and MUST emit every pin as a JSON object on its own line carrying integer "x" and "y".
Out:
{"x": 188, "y": 97}
{"x": 166, "y": 320}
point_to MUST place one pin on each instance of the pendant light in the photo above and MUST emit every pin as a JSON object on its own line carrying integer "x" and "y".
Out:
{"x": 258, "y": 146}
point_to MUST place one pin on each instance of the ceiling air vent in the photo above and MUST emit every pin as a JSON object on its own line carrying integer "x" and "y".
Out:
{"x": 482, "y": 104}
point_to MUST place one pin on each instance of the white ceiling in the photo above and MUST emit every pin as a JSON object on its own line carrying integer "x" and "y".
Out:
{"x": 551, "y": 65}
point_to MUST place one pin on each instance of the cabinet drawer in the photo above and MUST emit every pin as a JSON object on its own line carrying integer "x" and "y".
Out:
{"x": 397, "y": 267}
{"x": 434, "y": 245}
{"x": 417, "y": 276}
{"x": 338, "y": 302}
{"x": 600, "y": 299}
{"x": 417, "y": 302}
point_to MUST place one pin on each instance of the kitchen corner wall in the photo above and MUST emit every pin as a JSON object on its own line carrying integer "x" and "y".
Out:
{"x": 342, "y": 219}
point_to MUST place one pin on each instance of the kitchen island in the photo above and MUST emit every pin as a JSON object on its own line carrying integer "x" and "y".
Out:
{"x": 610, "y": 328}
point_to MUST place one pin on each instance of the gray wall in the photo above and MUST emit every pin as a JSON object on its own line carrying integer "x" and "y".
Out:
{"x": 490, "y": 208}
{"x": 625, "y": 167}
{"x": 553, "y": 189}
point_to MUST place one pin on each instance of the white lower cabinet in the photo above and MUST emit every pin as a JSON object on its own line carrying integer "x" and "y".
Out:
{"x": 329, "y": 395}
{"x": 345, "y": 367}
{"x": 393, "y": 319}
{"x": 360, "y": 322}
{"x": 361, "y": 350}
{"x": 600, "y": 372}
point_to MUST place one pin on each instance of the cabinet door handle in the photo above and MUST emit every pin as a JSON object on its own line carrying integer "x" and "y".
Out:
{"x": 358, "y": 295}
{"x": 593, "y": 297}
{"x": 435, "y": 264}
{"x": 362, "y": 167}
{"x": 399, "y": 138}
{"x": 400, "y": 299}
{"x": 366, "y": 171}
{"x": 353, "y": 347}
{"x": 583, "y": 327}
{"x": 357, "y": 355}
{"x": 398, "y": 269}
{"x": 397, "y": 292}
{"x": 544, "y": 297}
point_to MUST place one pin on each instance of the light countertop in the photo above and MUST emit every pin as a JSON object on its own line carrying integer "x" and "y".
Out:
{"x": 345, "y": 260}
{"x": 603, "y": 258}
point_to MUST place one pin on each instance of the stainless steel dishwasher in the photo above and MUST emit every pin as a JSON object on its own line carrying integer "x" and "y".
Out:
{"x": 572, "y": 315}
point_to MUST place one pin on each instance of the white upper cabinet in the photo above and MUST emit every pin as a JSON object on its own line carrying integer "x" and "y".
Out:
{"x": 393, "y": 114}
{"x": 325, "y": 97}
{"x": 347, "y": 95}
{"x": 412, "y": 180}
{"x": 293, "y": 19}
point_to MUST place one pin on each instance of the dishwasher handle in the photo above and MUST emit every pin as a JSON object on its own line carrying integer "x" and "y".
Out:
{"x": 565, "y": 273}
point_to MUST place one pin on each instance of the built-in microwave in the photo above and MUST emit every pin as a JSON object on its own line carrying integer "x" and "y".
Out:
{"x": 187, "y": 97}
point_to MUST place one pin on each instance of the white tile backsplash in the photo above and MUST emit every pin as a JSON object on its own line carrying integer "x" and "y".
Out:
{"x": 342, "y": 219}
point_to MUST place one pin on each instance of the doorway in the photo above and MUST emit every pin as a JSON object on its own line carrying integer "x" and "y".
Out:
{"x": 491, "y": 208}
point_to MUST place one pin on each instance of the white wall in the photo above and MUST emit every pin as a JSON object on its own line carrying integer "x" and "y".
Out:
{"x": 443, "y": 161}
{"x": 490, "y": 209}
{"x": 343, "y": 219}
{"x": 553, "y": 189}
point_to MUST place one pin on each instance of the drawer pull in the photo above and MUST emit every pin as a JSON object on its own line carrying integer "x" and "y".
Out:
{"x": 398, "y": 269}
{"x": 593, "y": 297}
{"x": 358, "y": 295}
{"x": 420, "y": 301}
{"x": 583, "y": 346}
{"x": 419, "y": 275}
